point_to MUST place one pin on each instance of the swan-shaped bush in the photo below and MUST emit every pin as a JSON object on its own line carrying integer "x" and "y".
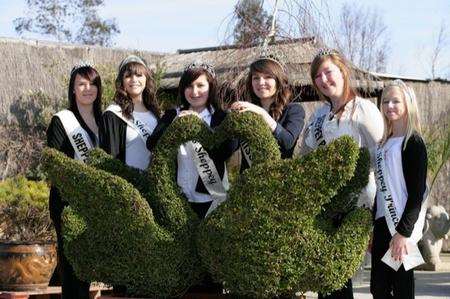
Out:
{"x": 272, "y": 236}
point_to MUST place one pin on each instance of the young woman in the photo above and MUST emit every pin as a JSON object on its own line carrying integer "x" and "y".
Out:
{"x": 128, "y": 123}
{"x": 197, "y": 96}
{"x": 74, "y": 132}
{"x": 344, "y": 113}
{"x": 269, "y": 95}
{"x": 401, "y": 162}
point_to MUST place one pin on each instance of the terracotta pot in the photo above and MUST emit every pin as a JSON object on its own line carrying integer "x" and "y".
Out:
{"x": 25, "y": 267}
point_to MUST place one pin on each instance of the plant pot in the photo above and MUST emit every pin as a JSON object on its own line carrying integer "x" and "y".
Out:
{"x": 25, "y": 267}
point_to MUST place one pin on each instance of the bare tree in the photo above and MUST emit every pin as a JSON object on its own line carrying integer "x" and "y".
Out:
{"x": 68, "y": 20}
{"x": 358, "y": 32}
{"x": 362, "y": 37}
{"x": 442, "y": 43}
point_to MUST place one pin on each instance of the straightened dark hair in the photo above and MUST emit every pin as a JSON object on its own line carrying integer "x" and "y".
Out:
{"x": 92, "y": 75}
{"x": 122, "y": 98}
{"x": 283, "y": 95}
{"x": 189, "y": 76}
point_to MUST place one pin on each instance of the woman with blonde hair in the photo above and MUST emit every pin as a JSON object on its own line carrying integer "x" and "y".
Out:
{"x": 401, "y": 162}
{"x": 343, "y": 113}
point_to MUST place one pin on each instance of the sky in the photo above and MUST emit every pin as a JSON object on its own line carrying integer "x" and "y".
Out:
{"x": 165, "y": 26}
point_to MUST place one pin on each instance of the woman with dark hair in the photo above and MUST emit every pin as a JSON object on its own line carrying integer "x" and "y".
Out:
{"x": 74, "y": 132}
{"x": 197, "y": 96}
{"x": 269, "y": 95}
{"x": 127, "y": 124}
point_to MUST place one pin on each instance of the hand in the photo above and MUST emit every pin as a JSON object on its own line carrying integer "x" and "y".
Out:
{"x": 247, "y": 106}
{"x": 398, "y": 246}
{"x": 242, "y": 106}
{"x": 188, "y": 112}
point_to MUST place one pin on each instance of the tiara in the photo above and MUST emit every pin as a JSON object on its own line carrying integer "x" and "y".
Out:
{"x": 201, "y": 65}
{"x": 80, "y": 64}
{"x": 408, "y": 91}
{"x": 129, "y": 59}
{"x": 326, "y": 52}
{"x": 271, "y": 57}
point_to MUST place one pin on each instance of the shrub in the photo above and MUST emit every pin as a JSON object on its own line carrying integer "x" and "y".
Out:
{"x": 267, "y": 239}
{"x": 24, "y": 214}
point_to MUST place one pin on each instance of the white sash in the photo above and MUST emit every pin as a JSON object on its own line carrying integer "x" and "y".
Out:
{"x": 141, "y": 128}
{"x": 245, "y": 149}
{"x": 414, "y": 257}
{"x": 208, "y": 174}
{"x": 78, "y": 137}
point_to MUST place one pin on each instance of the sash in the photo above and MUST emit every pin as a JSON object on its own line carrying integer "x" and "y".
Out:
{"x": 208, "y": 174}
{"x": 140, "y": 127}
{"x": 78, "y": 137}
{"x": 317, "y": 127}
{"x": 414, "y": 257}
{"x": 245, "y": 149}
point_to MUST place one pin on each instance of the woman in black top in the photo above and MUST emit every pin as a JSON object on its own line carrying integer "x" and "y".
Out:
{"x": 82, "y": 118}
{"x": 401, "y": 184}
{"x": 269, "y": 95}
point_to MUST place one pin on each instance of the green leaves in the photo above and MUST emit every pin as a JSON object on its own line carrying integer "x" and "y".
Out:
{"x": 136, "y": 229}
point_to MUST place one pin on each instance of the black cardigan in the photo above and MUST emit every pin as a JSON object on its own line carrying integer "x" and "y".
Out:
{"x": 288, "y": 129}
{"x": 414, "y": 165}
{"x": 219, "y": 154}
{"x": 58, "y": 139}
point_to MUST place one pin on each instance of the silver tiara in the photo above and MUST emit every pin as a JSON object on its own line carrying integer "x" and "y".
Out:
{"x": 80, "y": 64}
{"x": 271, "y": 57}
{"x": 326, "y": 52}
{"x": 129, "y": 59}
{"x": 201, "y": 65}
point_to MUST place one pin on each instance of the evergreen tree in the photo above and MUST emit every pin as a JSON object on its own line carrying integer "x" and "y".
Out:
{"x": 253, "y": 22}
{"x": 74, "y": 21}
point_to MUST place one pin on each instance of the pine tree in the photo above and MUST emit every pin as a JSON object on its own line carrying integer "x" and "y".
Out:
{"x": 74, "y": 21}
{"x": 253, "y": 22}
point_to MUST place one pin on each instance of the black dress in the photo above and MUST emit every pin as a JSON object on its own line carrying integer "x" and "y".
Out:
{"x": 57, "y": 138}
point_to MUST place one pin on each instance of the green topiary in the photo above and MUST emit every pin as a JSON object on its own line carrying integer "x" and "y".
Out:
{"x": 267, "y": 239}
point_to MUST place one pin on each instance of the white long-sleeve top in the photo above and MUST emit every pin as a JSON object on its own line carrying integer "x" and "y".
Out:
{"x": 361, "y": 120}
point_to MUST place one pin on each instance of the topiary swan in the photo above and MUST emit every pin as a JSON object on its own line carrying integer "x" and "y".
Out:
{"x": 272, "y": 236}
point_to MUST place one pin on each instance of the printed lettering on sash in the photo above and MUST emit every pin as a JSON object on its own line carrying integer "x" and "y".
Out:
{"x": 414, "y": 257}
{"x": 208, "y": 174}
{"x": 78, "y": 137}
{"x": 318, "y": 130}
{"x": 245, "y": 148}
{"x": 140, "y": 127}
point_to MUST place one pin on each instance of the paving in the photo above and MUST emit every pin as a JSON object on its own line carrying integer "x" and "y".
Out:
{"x": 429, "y": 284}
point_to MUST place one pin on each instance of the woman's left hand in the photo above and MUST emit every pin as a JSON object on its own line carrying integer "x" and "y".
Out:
{"x": 241, "y": 106}
{"x": 398, "y": 246}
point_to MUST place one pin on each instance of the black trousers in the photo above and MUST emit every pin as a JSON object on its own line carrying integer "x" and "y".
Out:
{"x": 385, "y": 282}
{"x": 346, "y": 292}
{"x": 72, "y": 287}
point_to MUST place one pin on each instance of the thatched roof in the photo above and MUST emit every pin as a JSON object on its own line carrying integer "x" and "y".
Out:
{"x": 231, "y": 62}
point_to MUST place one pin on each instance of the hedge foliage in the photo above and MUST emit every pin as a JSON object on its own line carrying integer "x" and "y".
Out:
{"x": 136, "y": 228}
{"x": 24, "y": 214}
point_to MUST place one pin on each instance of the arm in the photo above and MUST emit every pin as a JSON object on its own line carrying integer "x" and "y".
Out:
{"x": 111, "y": 133}
{"x": 56, "y": 135}
{"x": 414, "y": 159}
{"x": 286, "y": 133}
